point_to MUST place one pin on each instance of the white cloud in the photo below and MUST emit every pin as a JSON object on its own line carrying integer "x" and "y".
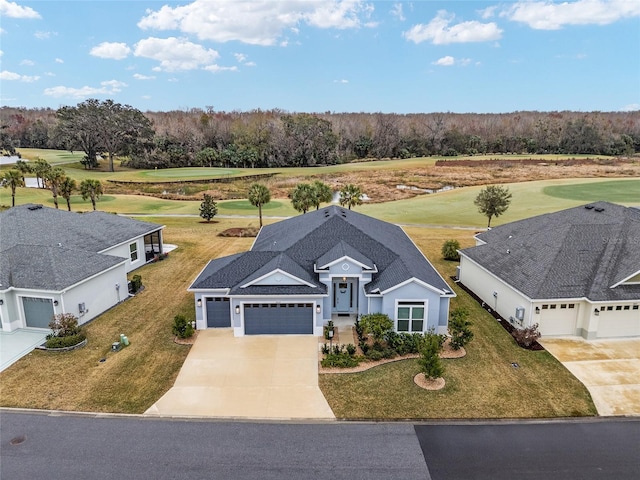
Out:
{"x": 256, "y": 22}
{"x": 1, "y": 53}
{"x": 108, "y": 87}
{"x": 218, "y": 68}
{"x": 113, "y": 50}
{"x": 175, "y": 53}
{"x": 6, "y": 75}
{"x": 27, "y": 62}
{"x": 543, "y": 15}
{"x": 240, "y": 57}
{"x": 632, "y": 107}
{"x": 488, "y": 12}
{"x": 397, "y": 12}
{"x": 439, "y": 32}
{"x": 139, "y": 76}
{"x": 59, "y": 60}
{"x": 445, "y": 61}
{"x": 44, "y": 35}
{"x": 341, "y": 81}
{"x": 13, "y": 10}
{"x": 450, "y": 61}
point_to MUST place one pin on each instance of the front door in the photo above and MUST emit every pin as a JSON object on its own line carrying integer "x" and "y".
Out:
{"x": 344, "y": 300}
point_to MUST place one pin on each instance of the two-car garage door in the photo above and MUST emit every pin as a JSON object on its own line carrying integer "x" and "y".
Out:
{"x": 278, "y": 318}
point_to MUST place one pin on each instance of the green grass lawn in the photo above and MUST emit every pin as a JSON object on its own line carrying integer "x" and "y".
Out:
{"x": 483, "y": 384}
{"x": 454, "y": 207}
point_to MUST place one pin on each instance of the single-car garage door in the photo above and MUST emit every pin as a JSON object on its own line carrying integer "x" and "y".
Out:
{"x": 619, "y": 321}
{"x": 278, "y": 318}
{"x": 38, "y": 312}
{"x": 558, "y": 319}
{"x": 218, "y": 312}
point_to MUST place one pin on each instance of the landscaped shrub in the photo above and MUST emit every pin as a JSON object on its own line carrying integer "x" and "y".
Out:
{"x": 325, "y": 349}
{"x": 376, "y": 324}
{"x": 136, "y": 283}
{"x": 351, "y": 349}
{"x": 340, "y": 360}
{"x": 182, "y": 327}
{"x": 64, "y": 342}
{"x": 65, "y": 331}
{"x": 360, "y": 331}
{"x": 526, "y": 336}
{"x": 364, "y": 346}
{"x": 459, "y": 328}
{"x": 374, "y": 355}
{"x": 430, "y": 363}
{"x": 450, "y": 250}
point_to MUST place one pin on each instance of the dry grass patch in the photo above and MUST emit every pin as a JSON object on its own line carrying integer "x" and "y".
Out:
{"x": 131, "y": 380}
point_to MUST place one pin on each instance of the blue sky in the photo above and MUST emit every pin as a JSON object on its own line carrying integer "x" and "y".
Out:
{"x": 323, "y": 55}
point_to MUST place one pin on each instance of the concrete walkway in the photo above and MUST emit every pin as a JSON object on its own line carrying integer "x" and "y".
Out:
{"x": 18, "y": 343}
{"x": 258, "y": 377}
{"x": 610, "y": 369}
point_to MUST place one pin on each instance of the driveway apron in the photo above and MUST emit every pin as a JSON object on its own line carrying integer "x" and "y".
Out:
{"x": 610, "y": 369}
{"x": 259, "y": 377}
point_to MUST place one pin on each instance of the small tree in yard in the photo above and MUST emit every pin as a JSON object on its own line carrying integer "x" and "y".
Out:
{"x": 493, "y": 201}
{"x": 208, "y": 208}
{"x": 92, "y": 189}
{"x": 429, "y": 361}
{"x": 459, "y": 329}
{"x": 258, "y": 196}
{"x": 450, "y": 250}
{"x": 377, "y": 324}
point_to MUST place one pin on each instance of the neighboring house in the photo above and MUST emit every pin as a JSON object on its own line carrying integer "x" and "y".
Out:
{"x": 573, "y": 272}
{"x": 54, "y": 261}
{"x": 302, "y": 272}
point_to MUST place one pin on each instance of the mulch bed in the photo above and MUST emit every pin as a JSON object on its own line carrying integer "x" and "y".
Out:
{"x": 186, "y": 341}
{"x": 239, "y": 232}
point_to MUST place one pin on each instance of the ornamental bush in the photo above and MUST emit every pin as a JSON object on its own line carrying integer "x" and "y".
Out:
{"x": 450, "y": 250}
{"x": 429, "y": 361}
{"x": 182, "y": 327}
{"x": 459, "y": 328}
{"x": 376, "y": 324}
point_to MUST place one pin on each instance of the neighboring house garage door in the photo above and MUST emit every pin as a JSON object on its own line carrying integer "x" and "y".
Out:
{"x": 619, "y": 323}
{"x": 38, "y": 312}
{"x": 218, "y": 312}
{"x": 277, "y": 319}
{"x": 560, "y": 320}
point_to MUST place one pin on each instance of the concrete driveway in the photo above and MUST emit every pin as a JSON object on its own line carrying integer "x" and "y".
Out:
{"x": 18, "y": 343}
{"x": 259, "y": 377}
{"x": 610, "y": 369}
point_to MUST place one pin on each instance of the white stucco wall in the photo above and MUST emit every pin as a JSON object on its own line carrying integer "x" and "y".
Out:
{"x": 123, "y": 251}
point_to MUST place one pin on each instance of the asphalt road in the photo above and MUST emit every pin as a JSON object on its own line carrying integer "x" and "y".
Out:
{"x": 96, "y": 447}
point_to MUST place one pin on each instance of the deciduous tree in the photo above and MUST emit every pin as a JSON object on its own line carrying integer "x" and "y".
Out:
{"x": 493, "y": 201}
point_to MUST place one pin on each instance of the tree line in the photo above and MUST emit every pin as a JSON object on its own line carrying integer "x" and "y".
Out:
{"x": 275, "y": 138}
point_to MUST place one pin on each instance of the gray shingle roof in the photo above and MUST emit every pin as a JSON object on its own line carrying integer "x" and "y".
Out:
{"x": 319, "y": 237}
{"x": 574, "y": 253}
{"x": 50, "y": 268}
{"x": 92, "y": 231}
{"x": 50, "y": 249}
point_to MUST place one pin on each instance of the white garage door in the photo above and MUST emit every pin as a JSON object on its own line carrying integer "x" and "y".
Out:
{"x": 619, "y": 322}
{"x": 558, "y": 319}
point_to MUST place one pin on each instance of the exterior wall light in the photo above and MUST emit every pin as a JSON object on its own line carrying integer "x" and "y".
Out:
{"x": 537, "y": 310}
{"x": 238, "y": 309}
{"x": 55, "y": 303}
{"x": 1, "y": 302}
{"x": 199, "y": 302}
{"x": 318, "y": 308}
{"x": 596, "y": 312}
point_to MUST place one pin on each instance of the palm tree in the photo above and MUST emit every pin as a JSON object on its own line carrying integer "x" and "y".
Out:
{"x": 40, "y": 168}
{"x": 67, "y": 187}
{"x": 92, "y": 189}
{"x": 258, "y": 196}
{"x": 12, "y": 179}
{"x": 302, "y": 197}
{"x": 323, "y": 193}
{"x": 54, "y": 178}
{"x": 23, "y": 167}
{"x": 350, "y": 195}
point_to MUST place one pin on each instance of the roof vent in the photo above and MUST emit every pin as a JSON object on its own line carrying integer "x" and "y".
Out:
{"x": 34, "y": 207}
{"x": 588, "y": 207}
{"x": 599, "y": 209}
